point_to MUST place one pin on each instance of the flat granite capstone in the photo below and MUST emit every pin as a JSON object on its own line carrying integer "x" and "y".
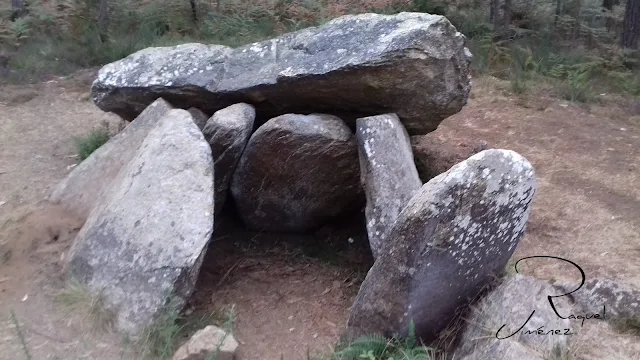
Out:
{"x": 411, "y": 64}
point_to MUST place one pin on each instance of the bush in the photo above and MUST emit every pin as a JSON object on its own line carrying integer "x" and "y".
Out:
{"x": 89, "y": 143}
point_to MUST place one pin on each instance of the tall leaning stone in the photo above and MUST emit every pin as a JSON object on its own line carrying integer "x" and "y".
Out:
{"x": 388, "y": 173}
{"x": 296, "y": 173}
{"x": 80, "y": 190}
{"x": 412, "y": 64}
{"x": 144, "y": 242}
{"x": 452, "y": 238}
{"x": 228, "y": 131}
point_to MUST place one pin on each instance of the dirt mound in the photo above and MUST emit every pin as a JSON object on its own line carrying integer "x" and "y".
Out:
{"x": 33, "y": 239}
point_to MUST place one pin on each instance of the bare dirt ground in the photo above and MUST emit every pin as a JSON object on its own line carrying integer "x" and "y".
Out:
{"x": 291, "y": 294}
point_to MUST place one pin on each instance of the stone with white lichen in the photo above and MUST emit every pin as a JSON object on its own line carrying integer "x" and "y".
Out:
{"x": 448, "y": 243}
{"x": 507, "y": 310}
{"x": 208, "y": 343}
{"x": 144, "y": 241}
{"x": 617, "y": 301}
{"x": 82, "y": 188}
{"x": 388, "y": 173}
{"x": 413, "y": 64}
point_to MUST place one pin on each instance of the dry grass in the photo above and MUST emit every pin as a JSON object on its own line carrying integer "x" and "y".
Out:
{"x": 79, "y": 300}
{"x": 161, "y": 339}
{"x": 486, "y": 318}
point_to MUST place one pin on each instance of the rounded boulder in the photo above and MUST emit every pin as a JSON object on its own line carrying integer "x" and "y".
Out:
{"x": 297, "y": 173}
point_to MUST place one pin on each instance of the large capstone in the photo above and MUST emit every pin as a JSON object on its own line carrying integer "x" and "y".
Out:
{"x": 453, "y": 237}
{"x": 388, "y": 173}
{"x": 143, "y": 243}
{"x": 82, "y": 188}
{"x": 412, "y": 64}
{"x": 296, "y": 173}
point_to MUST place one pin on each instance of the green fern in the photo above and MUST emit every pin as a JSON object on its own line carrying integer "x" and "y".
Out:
{"x": 498, "y": 52}
{"x": 377, "y": 347}
{"x": 627, "y": 82}
{"x": 418, "y": 353}
{"x": 578, "y": 84}
{"x": 21, "y": 28}
{"x": 558, "y": 71}
{"x": 411, "y": 340}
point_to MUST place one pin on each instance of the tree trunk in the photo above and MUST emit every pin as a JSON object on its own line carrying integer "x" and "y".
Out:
{"x": 492, "y": 11}
{"x": 103, "y": 20}
{"x": 631, "y": 25}
{"x": 194, "y": 11}
{"x": 506, "y": 14}
{"x": 578, "y": 25}
{"x": 559, "y": 8}
{"x": 608, "y": 5}
{"x": 19, "y": 9}
{"x": 494, "y": 14}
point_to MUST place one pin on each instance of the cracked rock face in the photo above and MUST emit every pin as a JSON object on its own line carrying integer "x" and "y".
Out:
{"x": 454, "y": 235}
{"x": 296, "y": 173}
{"x": 388, "y": 173}
{"x": 411, "y": 64}
{"x": 82, "y": 188}
{"x": 144, "y": 241}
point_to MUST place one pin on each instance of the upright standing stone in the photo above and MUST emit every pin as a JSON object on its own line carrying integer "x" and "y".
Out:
{"x": 80, "y": 190}
{"x": 228, "y": 131}
{"x": 144, "y": 242}
{"x": 452, "y": 239}
{"x": 296, "y": 173}
{"x": 388, "y": 173}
